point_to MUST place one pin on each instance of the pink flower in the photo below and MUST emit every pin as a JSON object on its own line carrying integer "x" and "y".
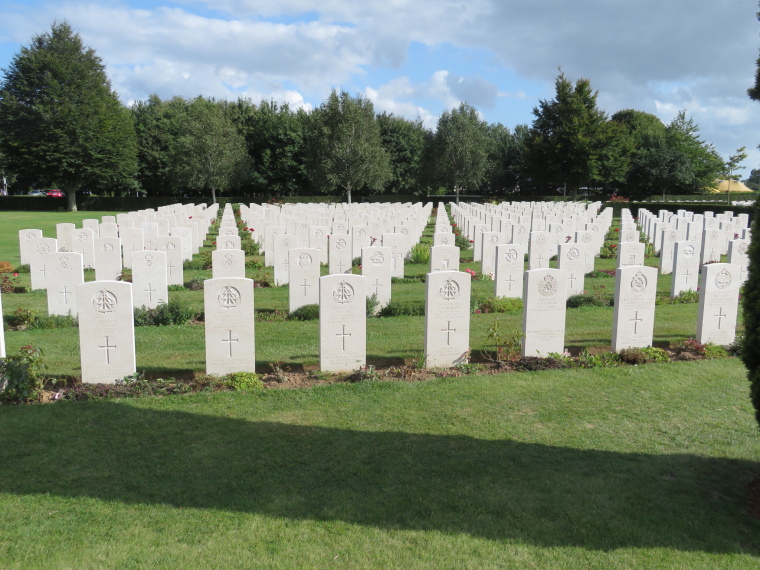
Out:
{"x": 15, "y": 274}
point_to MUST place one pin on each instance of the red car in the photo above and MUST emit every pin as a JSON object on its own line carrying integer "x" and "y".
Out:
{"x": 55, "y": 193}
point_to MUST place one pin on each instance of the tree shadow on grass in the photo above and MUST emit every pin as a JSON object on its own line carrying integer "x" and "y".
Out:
{"x": 493, "y": 489}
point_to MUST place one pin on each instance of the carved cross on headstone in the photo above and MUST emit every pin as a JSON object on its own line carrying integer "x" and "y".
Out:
{"x": 65, "y": 294}
{"x": 448, "y": 330}
{"x": 636, "y": 320}
{"x": 107, "y": 347}
{"x": 343, "y": 334}
{"x": 229, "y": 340}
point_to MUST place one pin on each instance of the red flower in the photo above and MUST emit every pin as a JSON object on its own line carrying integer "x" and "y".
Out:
{"x": 15, "y": 274}
{"x": 613, "y": 245}
{"x": 617, "y": 230}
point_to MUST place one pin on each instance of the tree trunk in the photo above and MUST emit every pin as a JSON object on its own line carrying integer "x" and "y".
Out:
{"x": 213, "y": 195}
{"x": 348, "y": 194}
{"x": 456, "y": 191}
{"x": 71, "y": 197}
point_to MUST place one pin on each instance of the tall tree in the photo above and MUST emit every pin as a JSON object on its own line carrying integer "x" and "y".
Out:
{"x": 572, "y": 143}
{"x": 276, "y": 144}
{"x": 461, "y": 148}
{"x": 158, "y": 125}
{"x": 696, "y": 163}
{"x": 59, "y": 117}
{"x": 210, "y": 154}
{"x": 345, "y": 148}
{"x": 731, "y": 166}
{"x": 404, "y": 141}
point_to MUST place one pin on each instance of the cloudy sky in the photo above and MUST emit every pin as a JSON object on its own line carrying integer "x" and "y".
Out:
{"x": 416, "y": 58}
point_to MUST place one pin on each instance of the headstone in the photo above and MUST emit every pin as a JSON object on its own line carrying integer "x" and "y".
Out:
{"x": 712, "y": 245}
{"x": 539, "y": 250}
{"x": 396, "y": 242}
{"x": 342, "y": 322}
{"x": 25, "y": 238}
{"x": 630, "y": 253}
{"x": 633, "y": 317}
{"x": 149, "y": 284}
{"x": 510, "y": 267}
{"x": 444, "y": 258}
{"x": 282, "y": 243}
{"x": 110, "y": 229}
{"x": 131, "y": 241}
{"x": 107, "y": 258}
{"x": 718, "y": 303}
{"x": 571, "y": 257}
{"x": 83, "y": 241}
{"x": 376, "y": 268}
{"x": 228, "y": 242}
{"x": 447, "y": 318}
{"x": 444, "y": 238}
{"x": 106, "y": 331}
{"x": 303, "y": 278}
{"x": 63, "y": 235}
{"x": 360, "y": 238}
{"x": 489, "y": 241}
{"x": 229, "y": 323}
{"x": 738, "y": 254}
{"x": 186, "y": 235}
{"x": 227, "y": 263}
{"x": 340, "y": 252}
{"x": 37, "y": 268}
{"x": 65, "y": 273}
{"x": 668, "y": 240}
{"x": 175, "y": 272}
{"x": 318, "y": 240}
{"x": 685, "y": 275}
{"x": 544, "y": 311}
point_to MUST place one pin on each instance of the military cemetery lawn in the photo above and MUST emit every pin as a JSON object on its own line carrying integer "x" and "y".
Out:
{"x": 631, "y": 466}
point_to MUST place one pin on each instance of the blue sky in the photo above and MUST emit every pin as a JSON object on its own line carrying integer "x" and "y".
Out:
{"x": 417, "y": 58}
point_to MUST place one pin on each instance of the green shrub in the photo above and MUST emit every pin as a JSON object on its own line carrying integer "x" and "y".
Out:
{"x": 403, "y": 309}
{"x": 643, "y": 355}
{"x": 175, "y": 312}
{"x": 250, "y": 247}
{"x": 23, "y": 268}
{"x": 53, "y": 322}
{"x": 372, "y": 303}
{"x": 408, "y": 280}
{"x": 254, "y": 264}
{"x": 499, "y": 305}
{"x": 305, "y": 313}
{"x": 420, "y": 253}
{"x": 585, "y": 300}
{"x": 20, "y": 375}
{"x": 176, "y": 287}
{"x": 202, "y": 261}
{"x": 195, "y": 284}
{"x": 244, "y": 381}
{"x": 22, "y": 318}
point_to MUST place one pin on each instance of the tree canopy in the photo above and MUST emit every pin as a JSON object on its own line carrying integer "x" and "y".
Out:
{"x": 461, "y": 146}
{"x": 345, "y": 147}
{"x": 60, "y": 120}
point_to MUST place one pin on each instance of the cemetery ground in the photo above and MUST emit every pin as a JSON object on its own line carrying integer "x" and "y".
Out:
{"x": 629, "y": 466}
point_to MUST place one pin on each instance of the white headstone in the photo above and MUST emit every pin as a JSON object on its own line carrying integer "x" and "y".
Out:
{"x": 107, "y": 258}
{"x": 227, "y": 263}
{"x": 544, "y": 311}
{"x": 376, "y": 268}
{"x": 444, "y": 258}
{"x": 539, "y": 250}
{"x": 571, "y": 257}
{"x": 303, "y": 278}
{"x": 685, "y": 275}
{"x": 83, "y": 241}
{"x": 633, "y": 317}
{"x": 282, "y": 243}
{"x": 719, "y": 285}
{"x": 340, "y": 252}
{"x": 447, "y": 318}
{"x": 510, "y": 266}
{"x": 131, "y": 240}
{"x": 65, "y": 273}
{"x": 172, "y": 247}
{"x": 149, "y": 284}
{"x": 25, "y": 238}
{"x": 630, "y": 253}
{"x": 342, "y": 322}
{"x": 39, "y": 248}
{"x": 229, "y": 323}
{"x": 106, "y": 331}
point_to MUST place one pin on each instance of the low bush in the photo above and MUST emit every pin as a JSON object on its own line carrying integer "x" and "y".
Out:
{"x": 499, "y": 305}
{"x": 585, "y": 300}
{"x": 643, "y": 355}
{"x": 175, "y": 312}
{"x": 244, "y": 381}
{"x": 21, "y": 377}
{"x": 601, "y": 273}
{"x": 305, "y": 313}
{"x": 6, "y": 267}
{"x": 403, "y": 309}
{"x": 420, "y": 253}
{"x": 195, "y": 284}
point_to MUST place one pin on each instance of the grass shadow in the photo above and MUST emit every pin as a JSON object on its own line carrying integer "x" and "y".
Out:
{"x": 494, "y": 489}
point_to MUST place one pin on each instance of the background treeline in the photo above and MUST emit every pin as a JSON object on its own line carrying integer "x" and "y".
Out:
{"x": 62, "y": 125}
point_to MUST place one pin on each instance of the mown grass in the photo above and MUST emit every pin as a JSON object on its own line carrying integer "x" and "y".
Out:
{"x": 628, "y": 467}
{"x": 614, "y": 468}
